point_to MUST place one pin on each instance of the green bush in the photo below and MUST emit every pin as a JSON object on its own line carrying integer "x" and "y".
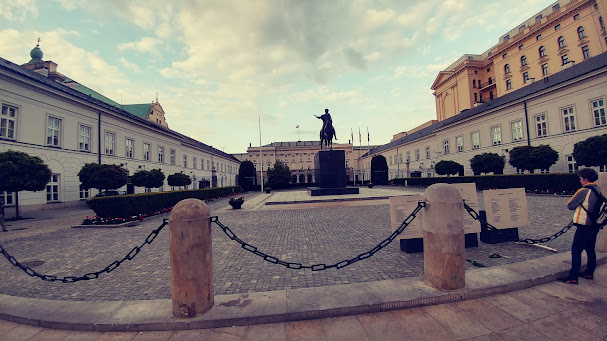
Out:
{"x": 123, "y": 206}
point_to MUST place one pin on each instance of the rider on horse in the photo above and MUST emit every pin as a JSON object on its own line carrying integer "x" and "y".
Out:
{"x": 327, "y": 132}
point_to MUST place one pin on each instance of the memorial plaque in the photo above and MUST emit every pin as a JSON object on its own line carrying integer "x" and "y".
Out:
{"x": 506, "y": 208}
{"x": 400, "y": 208}
{"x": 468, "y": 191}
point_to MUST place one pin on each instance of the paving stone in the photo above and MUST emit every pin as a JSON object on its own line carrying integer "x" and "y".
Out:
{"x": 457, "y": 321}
{"x": 488, "y": 315}
{"x": 344, "y": 328}
{"x": 422, "y": 326}
{"x": 556, "y": 328}
{"x": 309, "y": 330}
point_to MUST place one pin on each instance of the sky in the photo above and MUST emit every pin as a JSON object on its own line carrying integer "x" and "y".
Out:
{"x": 222, "y": 67}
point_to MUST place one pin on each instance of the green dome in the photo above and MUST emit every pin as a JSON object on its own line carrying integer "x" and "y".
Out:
{"x": 36, "y": 54}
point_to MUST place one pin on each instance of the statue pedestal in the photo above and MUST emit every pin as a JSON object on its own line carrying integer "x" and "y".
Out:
{"x": 331, "y": 174}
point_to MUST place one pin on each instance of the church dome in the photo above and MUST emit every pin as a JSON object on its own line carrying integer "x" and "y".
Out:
{"x": 36, "y": 54}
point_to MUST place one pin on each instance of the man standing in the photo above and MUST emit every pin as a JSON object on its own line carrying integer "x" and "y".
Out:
{"x": 2, "y": 215}
{"x": 585, "y": 203}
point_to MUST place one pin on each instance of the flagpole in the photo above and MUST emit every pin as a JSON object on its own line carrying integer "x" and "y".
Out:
{"x": 260, "y": 155}
{"x": 352, "y": 157}
{"x": 369, "y": 151}
{"x": 360, "y": 148}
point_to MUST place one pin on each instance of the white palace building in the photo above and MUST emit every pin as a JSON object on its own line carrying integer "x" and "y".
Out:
{"x": 48, "y": 115}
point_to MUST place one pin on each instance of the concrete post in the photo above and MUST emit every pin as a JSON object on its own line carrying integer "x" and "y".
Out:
{"x": 191, "y": 258}
{"x": 444, "y": 241}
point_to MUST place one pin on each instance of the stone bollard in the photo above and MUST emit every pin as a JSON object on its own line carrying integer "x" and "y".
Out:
{"x": 191, "y": 258}
{"x": 444, "y": 241}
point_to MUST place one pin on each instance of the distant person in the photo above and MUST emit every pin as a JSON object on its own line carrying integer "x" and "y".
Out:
{"x": 2, "y": 215}
{"x": 585, "y": 202}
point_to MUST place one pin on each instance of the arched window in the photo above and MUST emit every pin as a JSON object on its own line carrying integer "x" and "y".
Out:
{"x": 561, "y": 42}
{"x": 542, "y": 51}
{"x": 602, "y": 23}
{"x": 580, "y": 32}
{"x": 474, "y": 83}
{"x": 507, "y": 68}
{"x": 523, "y": 60}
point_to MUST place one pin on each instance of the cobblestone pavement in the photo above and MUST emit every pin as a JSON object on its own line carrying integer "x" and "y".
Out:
{"x": 308, "y": 234}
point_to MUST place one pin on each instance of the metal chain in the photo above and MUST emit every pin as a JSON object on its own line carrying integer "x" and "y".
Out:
{"x": 322, "y": 266}
{"x": 92, "y": 275}
{"x": 476, "y": 216}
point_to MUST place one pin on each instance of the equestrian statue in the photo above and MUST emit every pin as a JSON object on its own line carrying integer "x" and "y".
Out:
{"x": 327, "y": 132}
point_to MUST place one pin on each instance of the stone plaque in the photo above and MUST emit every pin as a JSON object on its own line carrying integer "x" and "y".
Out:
{"x": 400, "y": 208}
{"x": 506, "y": 208}
{"x": 468, "y": 191}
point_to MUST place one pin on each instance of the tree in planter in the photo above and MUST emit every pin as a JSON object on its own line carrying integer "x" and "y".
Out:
{"x": 487, "y": 163}
{"x": 102, "y": 177}
{"x": 22, "y": 172}
{"x": 531, "y": 158}
{"x": 178, "y": 180}
{"x": 447, "y": 167}
{"x": 591, "y": 151}
{"x": 379, "y": 170}
{"x": 279, "y": 176}
{"x": 148, "y": 179}
{"x": 246, "y": 175}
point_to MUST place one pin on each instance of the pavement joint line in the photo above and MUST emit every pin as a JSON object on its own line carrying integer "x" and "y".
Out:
{"x": 283, "y": 305}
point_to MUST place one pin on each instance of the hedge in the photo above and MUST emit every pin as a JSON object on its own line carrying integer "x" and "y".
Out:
{"x": 123, "y": 206}
{"x": 547, "y": 183}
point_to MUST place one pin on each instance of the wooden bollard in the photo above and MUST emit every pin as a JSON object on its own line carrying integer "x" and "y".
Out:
{"x": 444, "y": 241}
{"x": 191, "y": 258}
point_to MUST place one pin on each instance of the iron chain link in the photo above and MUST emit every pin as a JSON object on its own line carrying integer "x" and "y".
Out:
{"x": 92, "y": 275}
{"x": 322, "y": 266}
{"x": 476, "y": 216}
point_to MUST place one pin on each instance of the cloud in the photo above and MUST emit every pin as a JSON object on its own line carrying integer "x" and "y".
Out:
{"x": 129, "y": 65}
{"x": 18, "y": 10}
{"x": 145, "y": 45}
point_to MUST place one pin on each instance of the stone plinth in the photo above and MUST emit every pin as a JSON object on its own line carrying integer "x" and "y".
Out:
{"x": 331, "y": 174}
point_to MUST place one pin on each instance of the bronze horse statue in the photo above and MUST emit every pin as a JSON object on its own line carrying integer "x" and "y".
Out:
{"x": 327, "y": 132}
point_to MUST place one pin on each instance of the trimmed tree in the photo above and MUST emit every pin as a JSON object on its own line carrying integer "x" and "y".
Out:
{"x": 22, "y": 172}
{"x": 102, "y": 177}
{"x": 246, "y": 175}
{"x": 379, "y": 170}
{"x": 279, "y": 176}
{"x": 591, "y": 151}
{"x": 531, "y": 158}
{"x": 487, "y": 163}
{"x": 149, "y": 179}
{"x": 447, "y": 167}
{"x": 179, "y": 179}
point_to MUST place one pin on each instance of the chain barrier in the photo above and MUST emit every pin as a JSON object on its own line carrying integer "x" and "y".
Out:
{"x": 92, "y": 275}
{"x": 530, "y": 241}
{"x": 322, "y": 266}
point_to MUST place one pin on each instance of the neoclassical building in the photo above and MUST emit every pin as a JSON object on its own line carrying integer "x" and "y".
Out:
{"x": 545, "y": 82}
{"x": 46, "y": 114}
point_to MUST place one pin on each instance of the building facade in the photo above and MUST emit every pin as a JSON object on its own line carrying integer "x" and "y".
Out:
{"x": 48, "y": 115}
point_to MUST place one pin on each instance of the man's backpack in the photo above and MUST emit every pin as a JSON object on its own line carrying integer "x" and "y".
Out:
{"x": 599, "y": 214}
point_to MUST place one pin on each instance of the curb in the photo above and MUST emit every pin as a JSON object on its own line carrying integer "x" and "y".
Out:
{"x": 284, "y": 305}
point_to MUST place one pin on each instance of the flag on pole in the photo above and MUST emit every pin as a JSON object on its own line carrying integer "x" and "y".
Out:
{"x": 297, "y": 126}
{"x": 368, "y": 137}
{"x": 359, "y": 137}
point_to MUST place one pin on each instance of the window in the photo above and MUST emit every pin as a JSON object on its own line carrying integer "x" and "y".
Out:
{"x": 85, "y": 138}
{"x": 209, "y": 165}
{"x": 474, "y": 83}
{"x": 580, "y": 33}
{"x": 556, "y": 7}
{"x": 568, "y": 119}
{"x": 496, "y": 135}
{"x": 475, "y": 97}
{"x": 505, "y": 55}
{"x": 172, "y": 156}
{"x": 53, "y": 130}
{"x": 506, "y": 37}
{"x": 408, "y": 157}
{"x": 185, "y": 161}
{"x": 542, "y": 51}
{"x": 128, "y": 152}
{"x": 521, "y": 29}
{"x": 602, "y": 23}
{"x": 161, "y": 154}
{"x": 52, "y": 189}
{"x": 459, "y": 142}
{"x": 427, "y": 152}
{"x": 541, "y": 129}
{"x": 585, "y": 52}
{"x": 146, "y": 151}
{"x": 84, "y": 193}
{"x": 417, "y": 155}
{"x": 538, "y": 37}
{"x": 538, "y": 18}
{"x": 523, "y": 60}
{"x": 517, "y": 130}
{"x": 545, "y": 69}
{"x": 565, "y": 59}
{"x": 446, "y": 146}
{"x": 561, "y": 41}
{"x": 194, "y": 163}
{"x": 520, "y": 47}
{"x": 508, "y": 84}
{"x": 390, "y": 162}
{"x": 476, "y": 141}
{"x": 110, "y": 143}
{"x": 576, "y": 16}
{"x": 571, "y": 165}
{"x": 598, "y": 110}
{"x": 526, "y": 77}
{"x": 8, "y": 197}
{"x": 507, "y": 68}
{"x": 8, "y": 121}
{"x": 557, "y": 27}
